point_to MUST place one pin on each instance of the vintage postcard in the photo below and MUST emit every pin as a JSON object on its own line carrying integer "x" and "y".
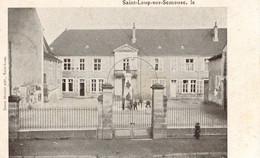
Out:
{"x": 130, "y": 78}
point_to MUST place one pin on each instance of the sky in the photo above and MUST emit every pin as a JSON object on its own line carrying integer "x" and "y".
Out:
{"x": 56, "y": 20}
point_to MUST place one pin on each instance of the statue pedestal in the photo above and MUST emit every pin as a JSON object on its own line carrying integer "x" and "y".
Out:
{"x": 128, "y": 85}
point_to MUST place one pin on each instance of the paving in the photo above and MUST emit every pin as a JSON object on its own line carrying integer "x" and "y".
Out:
{"x": 204, "y": 147}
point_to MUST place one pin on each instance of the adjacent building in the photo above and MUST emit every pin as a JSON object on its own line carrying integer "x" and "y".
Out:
{"x": 34, "y": 72}
{"x": 217, "y": 91}
{"x": 51, "y": 76}
{"x": 25, "y": 41}
{"x": 177, "y": 59}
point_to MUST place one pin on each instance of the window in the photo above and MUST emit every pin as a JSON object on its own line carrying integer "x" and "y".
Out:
{"x": 206, "y": 62}
{"x": 67, "y": 64}
{"x": 100, "y": 85}
{"x": 70, "y": 84}
{"x": 96, "y": 84}
{"x": 190, "y": 86}
{"x": 156, "y": 65}
{"x": 125, "y": 63}
{"x": 81, "y": 81}
{"x": 93, "y": 85}
{"x": 185, "y": 86}
{"x": 189, "y": 64}
{"x": 64, "y": 85}
{"x": 97, "y": 64}
{"x": 82, "y": 64}
{"x": 193, "y": 86}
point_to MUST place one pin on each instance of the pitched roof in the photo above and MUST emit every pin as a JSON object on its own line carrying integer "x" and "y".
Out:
{"x": 150, "y": 42}
{"x": 215, "y": 57}
{"x": 48, "y": 54}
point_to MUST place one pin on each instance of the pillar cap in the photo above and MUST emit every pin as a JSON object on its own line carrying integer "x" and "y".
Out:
{"x": 100, "y": 98}
{"x": 14, "y": 98}
{"x": 157, "y": 86}
{"x": 107, "y": 86}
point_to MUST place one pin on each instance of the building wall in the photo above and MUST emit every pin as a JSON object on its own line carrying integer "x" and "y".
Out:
{"x": 173, "y": 68}
{"x": 53, "y": 74}
{"x": 216, "y": 81}
{"x": 87, "y": 74}
{"x": 25, "y": 36}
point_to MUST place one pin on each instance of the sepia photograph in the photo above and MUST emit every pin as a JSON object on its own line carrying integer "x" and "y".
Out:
{"x": 117, "y": 82}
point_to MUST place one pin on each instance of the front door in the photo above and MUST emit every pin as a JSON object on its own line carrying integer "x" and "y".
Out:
{"x": 173, "y": 88}
{"x": 81, "y": 89}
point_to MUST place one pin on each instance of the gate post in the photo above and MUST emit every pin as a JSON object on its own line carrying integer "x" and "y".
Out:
{"x": 159, "y": 126}
{"x": 105, "y": 130}
{"x": 13, "y": 114}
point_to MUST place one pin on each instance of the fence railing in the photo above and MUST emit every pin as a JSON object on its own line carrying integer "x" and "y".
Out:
{"x": 187, "y": 117}
{"x": 132, "y": 118}
{"x": 57, "y": 118}
{"x": 126, "y": 115}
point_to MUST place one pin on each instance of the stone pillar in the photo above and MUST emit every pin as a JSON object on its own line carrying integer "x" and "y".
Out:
{"x": 100, "y": 122}
{"x": 159, "y": 125}
{"x": 13, "y": 114}
{"x": 105, "y": 130}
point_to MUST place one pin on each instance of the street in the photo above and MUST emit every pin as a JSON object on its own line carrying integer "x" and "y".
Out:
{"x": 117, "y": 147}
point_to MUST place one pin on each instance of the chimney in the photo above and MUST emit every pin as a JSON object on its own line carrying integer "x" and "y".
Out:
{"x": 133, "y": 37}
{"x": 215, "y": 38}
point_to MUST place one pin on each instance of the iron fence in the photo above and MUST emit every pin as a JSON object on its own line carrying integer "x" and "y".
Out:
{"x": 126, "y": 115}
{"x": 132, "y": 118}
{"x": 187, "y": 116}
{"x": 57, "y": 118}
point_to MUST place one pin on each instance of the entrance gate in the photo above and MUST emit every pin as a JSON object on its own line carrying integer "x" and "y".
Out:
{"x": 129, "y": 122}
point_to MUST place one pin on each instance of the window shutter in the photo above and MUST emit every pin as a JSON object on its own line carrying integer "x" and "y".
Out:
{"x": 196, "y": 62}
{"x": 180, "y": 86}
{"x": 198, "y": 86}
{"x": 75, "y": 85}
{"x": 72, "y": 64}
{"x": 182, "y": 63}
{"x": 87, "y": 85}
{"x": 174, "y": 64}
{"x": 202, "y": 86}
{"x": 161, "y": 64}
{"x": 202, "y": 64}
{"x": 89, "y": 64}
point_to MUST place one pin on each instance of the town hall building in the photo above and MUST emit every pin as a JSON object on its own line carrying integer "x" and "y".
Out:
{"x": 177, "y": 59}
